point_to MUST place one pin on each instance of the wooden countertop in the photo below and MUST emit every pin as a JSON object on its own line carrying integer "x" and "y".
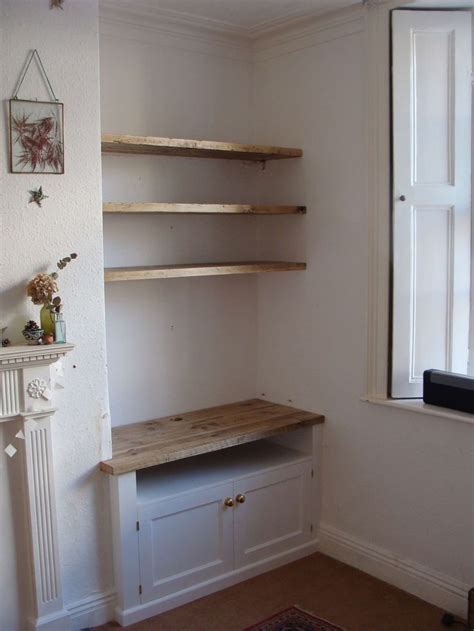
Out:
{"x": 155, "y": 442}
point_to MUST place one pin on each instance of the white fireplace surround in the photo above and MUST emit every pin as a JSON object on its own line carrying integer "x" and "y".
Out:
{"x": 26, "y": 395}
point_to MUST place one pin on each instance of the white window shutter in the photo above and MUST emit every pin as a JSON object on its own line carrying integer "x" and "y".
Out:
{"x": 432, "y": 62}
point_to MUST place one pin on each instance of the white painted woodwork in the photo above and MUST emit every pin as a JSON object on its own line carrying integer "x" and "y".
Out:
{"x": 281, "y": 494}
{"x": 123, "y": 492}
{"x": 185, "y": 540}
{"x": 20, "y": 367}
{"x": 10, "y": 393}
{"x": 432, "y": 169}
{"x": 188, "y": 543}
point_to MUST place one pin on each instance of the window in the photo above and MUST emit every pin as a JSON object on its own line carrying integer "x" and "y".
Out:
{"x": 432, "y": 105}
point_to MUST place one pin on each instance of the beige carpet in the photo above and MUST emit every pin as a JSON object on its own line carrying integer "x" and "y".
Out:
{"x": 329, "y": 589}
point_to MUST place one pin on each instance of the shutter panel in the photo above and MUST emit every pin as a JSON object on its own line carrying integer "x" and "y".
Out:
{"x": 432, "y": 61}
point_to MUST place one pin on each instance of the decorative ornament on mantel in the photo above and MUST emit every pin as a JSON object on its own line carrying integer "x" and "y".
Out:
{"x": 5, "y": 341}
{"x": 36, "y": 388}
{"x": 32, "y": 333}
{"x": 36, "y": 129}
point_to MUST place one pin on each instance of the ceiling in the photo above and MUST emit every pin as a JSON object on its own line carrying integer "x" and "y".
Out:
{"x": 247, "y": 18}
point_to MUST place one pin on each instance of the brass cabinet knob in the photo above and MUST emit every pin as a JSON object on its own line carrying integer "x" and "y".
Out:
{"x": 228, "y": 502}
{"x": 240, "y": 498}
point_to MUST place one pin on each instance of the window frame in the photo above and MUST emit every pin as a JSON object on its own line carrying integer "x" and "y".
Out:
{"x": 379, "y": 186}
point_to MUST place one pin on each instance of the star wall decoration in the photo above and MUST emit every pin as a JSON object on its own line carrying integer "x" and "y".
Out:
{"x": 37, "y": 196}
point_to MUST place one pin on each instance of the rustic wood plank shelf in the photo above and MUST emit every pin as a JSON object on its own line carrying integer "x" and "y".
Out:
{"x": 205, "y": 209}
{"x": 171, "y": 438}
{"x": 121, "y": 143}
{"x": 199, "y": 269}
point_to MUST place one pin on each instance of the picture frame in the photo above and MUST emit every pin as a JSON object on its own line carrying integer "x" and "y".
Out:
{"x": 36, "y": 136}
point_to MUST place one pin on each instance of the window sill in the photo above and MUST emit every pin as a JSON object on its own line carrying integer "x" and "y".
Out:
{"x": 417, "y": 405}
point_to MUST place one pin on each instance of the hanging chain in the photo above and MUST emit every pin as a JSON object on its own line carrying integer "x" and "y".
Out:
{"x": 34, "y": 53}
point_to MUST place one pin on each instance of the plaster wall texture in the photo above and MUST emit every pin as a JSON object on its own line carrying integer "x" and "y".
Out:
{"x": 32, "y": 240}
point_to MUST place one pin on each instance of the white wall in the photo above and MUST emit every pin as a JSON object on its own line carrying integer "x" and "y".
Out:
{"x": 32, "y": 240}
{"x": 179, "y": 344}
{"x": 397, "y": 486}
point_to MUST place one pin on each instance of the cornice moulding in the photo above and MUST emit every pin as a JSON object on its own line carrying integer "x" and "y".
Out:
{"x": 285, "y": 27}
{"x": 323, "y": 28}
{"x": 186, "y": 24}
{"x": 171, "y": 23}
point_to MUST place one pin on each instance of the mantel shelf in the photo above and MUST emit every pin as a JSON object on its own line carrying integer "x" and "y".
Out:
{"x": 199, "y": 269}
{"x": 120, "y": 143}
{"x": 171, "y": 438}
{"x": 205, "y": 209}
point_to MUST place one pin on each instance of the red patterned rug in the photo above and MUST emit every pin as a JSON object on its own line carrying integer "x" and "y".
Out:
{"x": 294, "y": 619}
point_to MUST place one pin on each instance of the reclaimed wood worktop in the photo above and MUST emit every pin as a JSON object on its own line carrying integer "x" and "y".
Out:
{"x": 155, "y": 442}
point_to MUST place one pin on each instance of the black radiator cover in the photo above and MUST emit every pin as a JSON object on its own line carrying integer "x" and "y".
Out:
{"x": 449, "y": 390}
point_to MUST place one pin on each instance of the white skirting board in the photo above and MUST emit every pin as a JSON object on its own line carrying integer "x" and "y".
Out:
{"x": 443, "y": 591}
{"x": 92, "y": 611}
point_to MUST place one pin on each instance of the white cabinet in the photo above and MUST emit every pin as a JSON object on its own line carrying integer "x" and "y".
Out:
{"x": 193, "y": 537}
{"x": 185, "y": 540}
{"x": 185, "y": 529}
{"x": 275, "y": 515}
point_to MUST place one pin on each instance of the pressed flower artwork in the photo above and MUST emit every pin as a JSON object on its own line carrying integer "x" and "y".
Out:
{"x": 36, "y": 137}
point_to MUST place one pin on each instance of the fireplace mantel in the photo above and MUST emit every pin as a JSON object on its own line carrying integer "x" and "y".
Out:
{"x": 41, "y": 354}
{"x": 26, "y": 396}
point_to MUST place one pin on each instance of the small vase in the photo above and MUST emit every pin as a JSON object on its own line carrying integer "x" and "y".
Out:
{"x": 32, "y": 337}
{"x": 59, "y": 328}
{"x": 47, "y": 323}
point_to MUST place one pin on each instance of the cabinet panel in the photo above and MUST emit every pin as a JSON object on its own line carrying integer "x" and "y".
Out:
{"x": 276, "y": 514}
{"x": 185, "y": 540}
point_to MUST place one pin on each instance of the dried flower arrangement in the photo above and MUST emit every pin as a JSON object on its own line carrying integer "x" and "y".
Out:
{"x": 41, "y": 290}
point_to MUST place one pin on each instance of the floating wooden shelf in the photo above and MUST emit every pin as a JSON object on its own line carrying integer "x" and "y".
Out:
{"x": 151, "y": 443}
{"x": 199, "y": 269}
{"x": 120, "y": 143}
{"x": 209, "y": 209}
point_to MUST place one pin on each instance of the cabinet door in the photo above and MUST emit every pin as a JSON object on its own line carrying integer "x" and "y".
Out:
{"x": 276, "y": 513}
{"x": 185, "y": 540}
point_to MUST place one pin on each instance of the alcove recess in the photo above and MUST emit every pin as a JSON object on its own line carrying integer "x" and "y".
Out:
{"x": 263, "y": 454}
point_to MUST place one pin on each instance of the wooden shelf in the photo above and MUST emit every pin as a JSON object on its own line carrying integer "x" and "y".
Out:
{"x": 205, "y": 209}
{"x": 199, "y": 269}
{"x": 120, "y": 143}
{"x": 171, "y": 438}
